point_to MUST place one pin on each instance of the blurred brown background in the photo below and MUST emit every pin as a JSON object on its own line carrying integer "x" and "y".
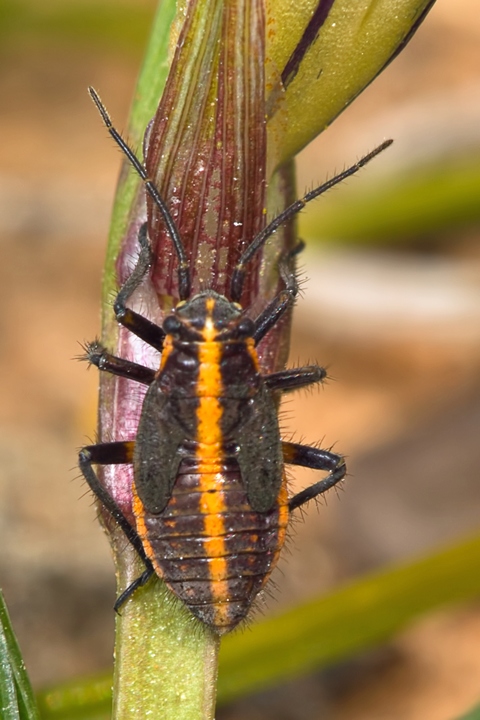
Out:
{"x": 397, "y": 325}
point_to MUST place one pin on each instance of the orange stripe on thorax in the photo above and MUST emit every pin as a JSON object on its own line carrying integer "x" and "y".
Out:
{"x": 166, "y": 351}
{"x": 251, "y": 350}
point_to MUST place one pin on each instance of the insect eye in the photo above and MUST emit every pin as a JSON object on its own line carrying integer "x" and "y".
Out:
{"x": 172, "y": 325}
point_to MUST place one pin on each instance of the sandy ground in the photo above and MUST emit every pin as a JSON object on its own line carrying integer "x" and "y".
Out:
{"x": 404, "y": 406}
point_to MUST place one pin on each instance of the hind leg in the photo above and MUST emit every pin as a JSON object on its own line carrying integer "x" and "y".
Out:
{"x": 115, "y": 453}
{"x": 317, "y": 459}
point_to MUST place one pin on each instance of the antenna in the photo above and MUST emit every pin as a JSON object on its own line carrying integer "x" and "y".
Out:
{"x": 238, "y": 276}
{"x": 172, "y": 229}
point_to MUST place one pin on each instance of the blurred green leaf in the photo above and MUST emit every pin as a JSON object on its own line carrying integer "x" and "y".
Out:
{"x": 91, "y": 698}
{"x": 102, "y": 23}
{"x": 16, "y": 696}
{"x": 474, "y": 714}
{"x": 355, "y": 617}
{"x": 440, "y": 197}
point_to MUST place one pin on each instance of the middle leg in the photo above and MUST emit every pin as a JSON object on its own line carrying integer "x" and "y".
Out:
{"x": 295, "y": 378}
{"x": 97, "y": 355}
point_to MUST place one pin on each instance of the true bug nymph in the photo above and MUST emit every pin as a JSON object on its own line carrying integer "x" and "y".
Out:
{"x": 209, "y": 493}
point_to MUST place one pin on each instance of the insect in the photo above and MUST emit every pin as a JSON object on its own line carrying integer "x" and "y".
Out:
{"x": 209, "y": 492}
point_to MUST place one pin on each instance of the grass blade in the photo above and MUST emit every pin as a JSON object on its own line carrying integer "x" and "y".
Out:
{"x": 16, "y": 697}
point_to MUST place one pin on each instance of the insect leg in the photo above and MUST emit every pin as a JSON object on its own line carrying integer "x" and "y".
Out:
{"x": 295, "y": 378}
{"x": 283, "y": 300}
{"x": 114, "y": 453}
{"x": 137, "y": 324}
{"x": 97, "y": 355}
{"x": 139, "y": 582}
{"x": 316, "y": 459}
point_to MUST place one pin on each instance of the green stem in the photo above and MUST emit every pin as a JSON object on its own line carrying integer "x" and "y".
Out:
{"x": 165, "y": 660}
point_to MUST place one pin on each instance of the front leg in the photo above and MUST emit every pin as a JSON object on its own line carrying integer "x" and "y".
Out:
{"x": 137, "y": 324}
{"x": 317, "y": 459}
{"x": 283, "y": 300}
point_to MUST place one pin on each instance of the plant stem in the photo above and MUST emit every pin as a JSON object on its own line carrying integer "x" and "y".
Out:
{"x": 164, "y": 668}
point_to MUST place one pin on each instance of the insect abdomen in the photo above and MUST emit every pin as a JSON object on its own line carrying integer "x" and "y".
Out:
{"x": 209, "y": 546}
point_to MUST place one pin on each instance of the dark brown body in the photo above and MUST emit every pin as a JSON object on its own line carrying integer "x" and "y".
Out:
{"x": 210, "y": 500}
